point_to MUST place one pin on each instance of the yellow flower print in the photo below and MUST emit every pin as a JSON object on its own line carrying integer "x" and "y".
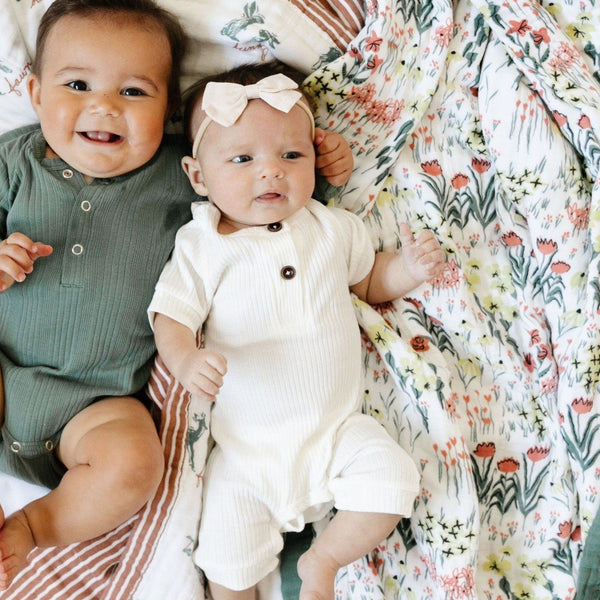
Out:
{"x": 582, "y": 30}
{"x": 381, "y": 335}
{"x": 496, "y": 564}
{"x": 468, "y": 368}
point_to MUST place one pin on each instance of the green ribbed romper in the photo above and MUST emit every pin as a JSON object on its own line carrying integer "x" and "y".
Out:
{"x": 76, "y": 330}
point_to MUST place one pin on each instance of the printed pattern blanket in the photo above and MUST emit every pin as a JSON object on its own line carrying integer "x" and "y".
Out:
{"x": 480, "y": 120}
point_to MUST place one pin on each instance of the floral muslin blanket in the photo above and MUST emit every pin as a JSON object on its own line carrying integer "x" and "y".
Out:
{"x": 479, "y": 120}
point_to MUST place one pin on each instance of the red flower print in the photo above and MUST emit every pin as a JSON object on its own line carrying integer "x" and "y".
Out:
{"x": 508, "y": 465}
{"x": 540, "y": 35}
{"x": 485, "y": 449}
{"x": 511, "y": 239}
{"x": 520, "y": 27}
{"x": 584, "y": 122}
{"x": 419, "y": 343}
{"x": 560, "y": 119}
{"x": 564, "y": 529}
{"x": 534, "y": 337}
{"x": 559, "y": 267}
{"x": 432, "y": 167}
{"x": 537, "y": 453}
{"x": 373, "y": 42}
{"x": 480, "y": 165}
{"x": 582, "y": 406}
{"x": 547, "y": 246}
{"x": 459, "y": 181}
{"x": 576, "y": 535}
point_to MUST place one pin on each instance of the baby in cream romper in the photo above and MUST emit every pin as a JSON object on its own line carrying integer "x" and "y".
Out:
{"x": 264, "y": 272}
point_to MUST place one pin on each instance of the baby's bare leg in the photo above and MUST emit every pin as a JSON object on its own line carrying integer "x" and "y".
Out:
{"x": 115, "y": 463}
{"x": 348, "y": 537}
{"x": 218, "y": 592}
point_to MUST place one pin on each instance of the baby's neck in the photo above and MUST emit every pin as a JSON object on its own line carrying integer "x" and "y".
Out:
{"x": 51, "y": 154}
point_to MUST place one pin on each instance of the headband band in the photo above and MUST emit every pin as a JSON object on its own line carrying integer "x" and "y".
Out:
{"x": 224, "y": 102}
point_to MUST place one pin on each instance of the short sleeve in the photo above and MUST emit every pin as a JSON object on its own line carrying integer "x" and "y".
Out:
{"x": 181, "y": 291}
{"x": 359, "y": 251}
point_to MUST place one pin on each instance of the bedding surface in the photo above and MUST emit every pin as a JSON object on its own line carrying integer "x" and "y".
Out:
{"x": 479, "y": 120}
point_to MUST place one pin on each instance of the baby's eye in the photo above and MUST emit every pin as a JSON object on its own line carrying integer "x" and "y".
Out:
{"x": 80, "y": 86}
{"x": 291, "y": 155}
{"x": 241, "y": 159}
{"x": 133, "y": 92}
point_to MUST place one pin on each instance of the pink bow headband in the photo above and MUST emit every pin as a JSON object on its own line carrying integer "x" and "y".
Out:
{"x": 224, "y": 102}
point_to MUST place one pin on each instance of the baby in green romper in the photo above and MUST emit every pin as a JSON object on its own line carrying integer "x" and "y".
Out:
{"x": 95, "y": 193}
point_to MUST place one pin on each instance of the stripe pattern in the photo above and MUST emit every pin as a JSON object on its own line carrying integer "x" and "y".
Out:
{"x": 111, "y": 566}
{"x": 340, "y": 19}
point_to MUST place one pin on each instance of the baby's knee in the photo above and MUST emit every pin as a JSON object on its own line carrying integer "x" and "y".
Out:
{"x": 140, "y": 468}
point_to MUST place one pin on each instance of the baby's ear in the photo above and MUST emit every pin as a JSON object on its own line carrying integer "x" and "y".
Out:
{"x": 194, "y": 173}
{"x": 33, "y": 87}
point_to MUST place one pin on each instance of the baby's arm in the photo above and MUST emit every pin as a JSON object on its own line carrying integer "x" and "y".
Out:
{"x": 394, "y": 275}
{"x": 17, "y": 255}
{"x": 200, "y": 371}
{"x": 334, "y": 158}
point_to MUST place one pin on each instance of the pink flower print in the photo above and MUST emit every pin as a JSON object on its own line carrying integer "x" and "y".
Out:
{"x": 584, "y": 122}
{"x": 560, "y": 119}
{"x": 480, "y": 164}
{"x": 576, "y": 534}
{"x": 355, "y": 52}
{"x": 373, "y": 63}
{"x": 547, "y": 246}
{"x": 485, "y": 450}
{"x": 582, "y": 406}
{"x": 432, "y": 167}
{"x": 508, "y": 465}
{"x": 528, "y": 362}
{"x": 459, "y": 181}
{"x": 520, "y": 27}
{"x": 373, "y": 43}
{"x": 540, "y": 35}
{"x": 511, "y": 239}
{"x": 563, "y": 57}
{"x": 363, "y": 94}
{"x": 559, "y": 267}
{"x": 564, "y": 529}
{"x": 449, "y": 277}
{"x": 579, "y": 217}
{"x": 537, "y": 453}
{"x": 443, "y": 34}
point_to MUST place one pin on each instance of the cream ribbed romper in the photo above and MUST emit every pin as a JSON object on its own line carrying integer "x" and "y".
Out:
{"x": 290, "y": 442}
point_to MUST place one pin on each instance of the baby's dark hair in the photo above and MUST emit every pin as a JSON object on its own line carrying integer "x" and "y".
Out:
{"x": 142, "y": 11}
{"x": 246, "y": 74}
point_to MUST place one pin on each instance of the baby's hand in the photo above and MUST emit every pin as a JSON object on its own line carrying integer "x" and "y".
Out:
{"x": 201, "y": 373}
{"x": 17, "y": 255}
{"x": 334, "y": 158}
{"x": 423, "y": 256}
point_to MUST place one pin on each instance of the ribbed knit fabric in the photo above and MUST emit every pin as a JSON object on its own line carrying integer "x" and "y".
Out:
{"x": 76, "y": 329}
{"x": 289, "y": 440}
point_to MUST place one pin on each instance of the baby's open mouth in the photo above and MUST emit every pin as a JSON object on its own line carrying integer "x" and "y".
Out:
{"x": 100, "y": 136}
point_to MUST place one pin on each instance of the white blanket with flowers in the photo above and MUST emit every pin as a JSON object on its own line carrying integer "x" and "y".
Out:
{"x": 480, "y": 120}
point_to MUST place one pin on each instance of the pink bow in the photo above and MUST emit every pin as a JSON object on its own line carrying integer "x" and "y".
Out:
{"x": 224, "y": 102}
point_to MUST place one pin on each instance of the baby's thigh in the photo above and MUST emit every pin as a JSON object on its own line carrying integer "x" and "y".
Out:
{"x": 369, "y": 471}
{"x": 110, "y": 430}
{"x": 238, "y": 542}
